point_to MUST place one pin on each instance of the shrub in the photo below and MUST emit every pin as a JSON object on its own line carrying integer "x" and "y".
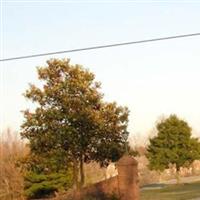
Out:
{"x": 11, "y": 178}
{"x": 40, "y": 190}
{"x": 44, "y": 185}
{"x": 103, "y": 197}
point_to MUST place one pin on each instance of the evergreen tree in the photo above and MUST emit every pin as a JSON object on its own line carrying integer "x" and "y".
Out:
{"x": 173, "y": 144}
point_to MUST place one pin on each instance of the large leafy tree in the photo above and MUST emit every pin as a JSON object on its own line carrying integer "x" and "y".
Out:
{"x": 173, "y": 144}
{"x": 71, "y": 117}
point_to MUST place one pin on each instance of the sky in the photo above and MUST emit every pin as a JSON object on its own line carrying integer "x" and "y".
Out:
{"x": 152, "y": 79}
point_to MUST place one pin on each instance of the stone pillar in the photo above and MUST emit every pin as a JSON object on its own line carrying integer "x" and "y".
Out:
{"x": 128, "y": 182}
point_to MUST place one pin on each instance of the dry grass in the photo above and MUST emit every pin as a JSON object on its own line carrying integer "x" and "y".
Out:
{"x": 11, "y": 179}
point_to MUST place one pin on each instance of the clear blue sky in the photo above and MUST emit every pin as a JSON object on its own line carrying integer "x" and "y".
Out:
{"x": 152, "y": 79}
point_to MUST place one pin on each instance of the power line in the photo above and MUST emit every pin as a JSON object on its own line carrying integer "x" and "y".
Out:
{"x": 100, "y": 47}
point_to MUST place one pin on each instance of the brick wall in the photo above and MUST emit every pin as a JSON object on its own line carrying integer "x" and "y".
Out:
{"x": 125, "y": 185}
{"x": 100, "y": 189}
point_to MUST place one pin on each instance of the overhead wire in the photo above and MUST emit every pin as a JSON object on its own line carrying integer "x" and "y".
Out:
{"x": 100, "y": 47}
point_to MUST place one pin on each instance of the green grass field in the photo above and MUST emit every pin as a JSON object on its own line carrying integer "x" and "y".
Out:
{"x": 188, "y": 191}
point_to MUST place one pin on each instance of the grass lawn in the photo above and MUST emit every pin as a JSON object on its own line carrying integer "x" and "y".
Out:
{"x": 186, "y": 191}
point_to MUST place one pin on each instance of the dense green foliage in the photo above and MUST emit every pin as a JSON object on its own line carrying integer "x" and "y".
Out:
{"x": 71, "y": 118}
{"x": 43, "y": 185}
{"x": 49, "y": 163}
{"x": 172, "y": 145}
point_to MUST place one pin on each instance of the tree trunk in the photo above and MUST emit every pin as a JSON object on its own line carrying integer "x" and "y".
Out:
{"x": 178, "y": 176}
{"x": 159, "y": 174}
{"x": 75, "y": 174}
{"x": 82, "y": 175}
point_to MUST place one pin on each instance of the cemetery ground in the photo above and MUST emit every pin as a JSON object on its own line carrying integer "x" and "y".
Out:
{"x": 182, "y": 191}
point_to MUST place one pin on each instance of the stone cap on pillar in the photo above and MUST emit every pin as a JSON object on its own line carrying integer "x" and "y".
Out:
{"x": 126, "y": 160}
